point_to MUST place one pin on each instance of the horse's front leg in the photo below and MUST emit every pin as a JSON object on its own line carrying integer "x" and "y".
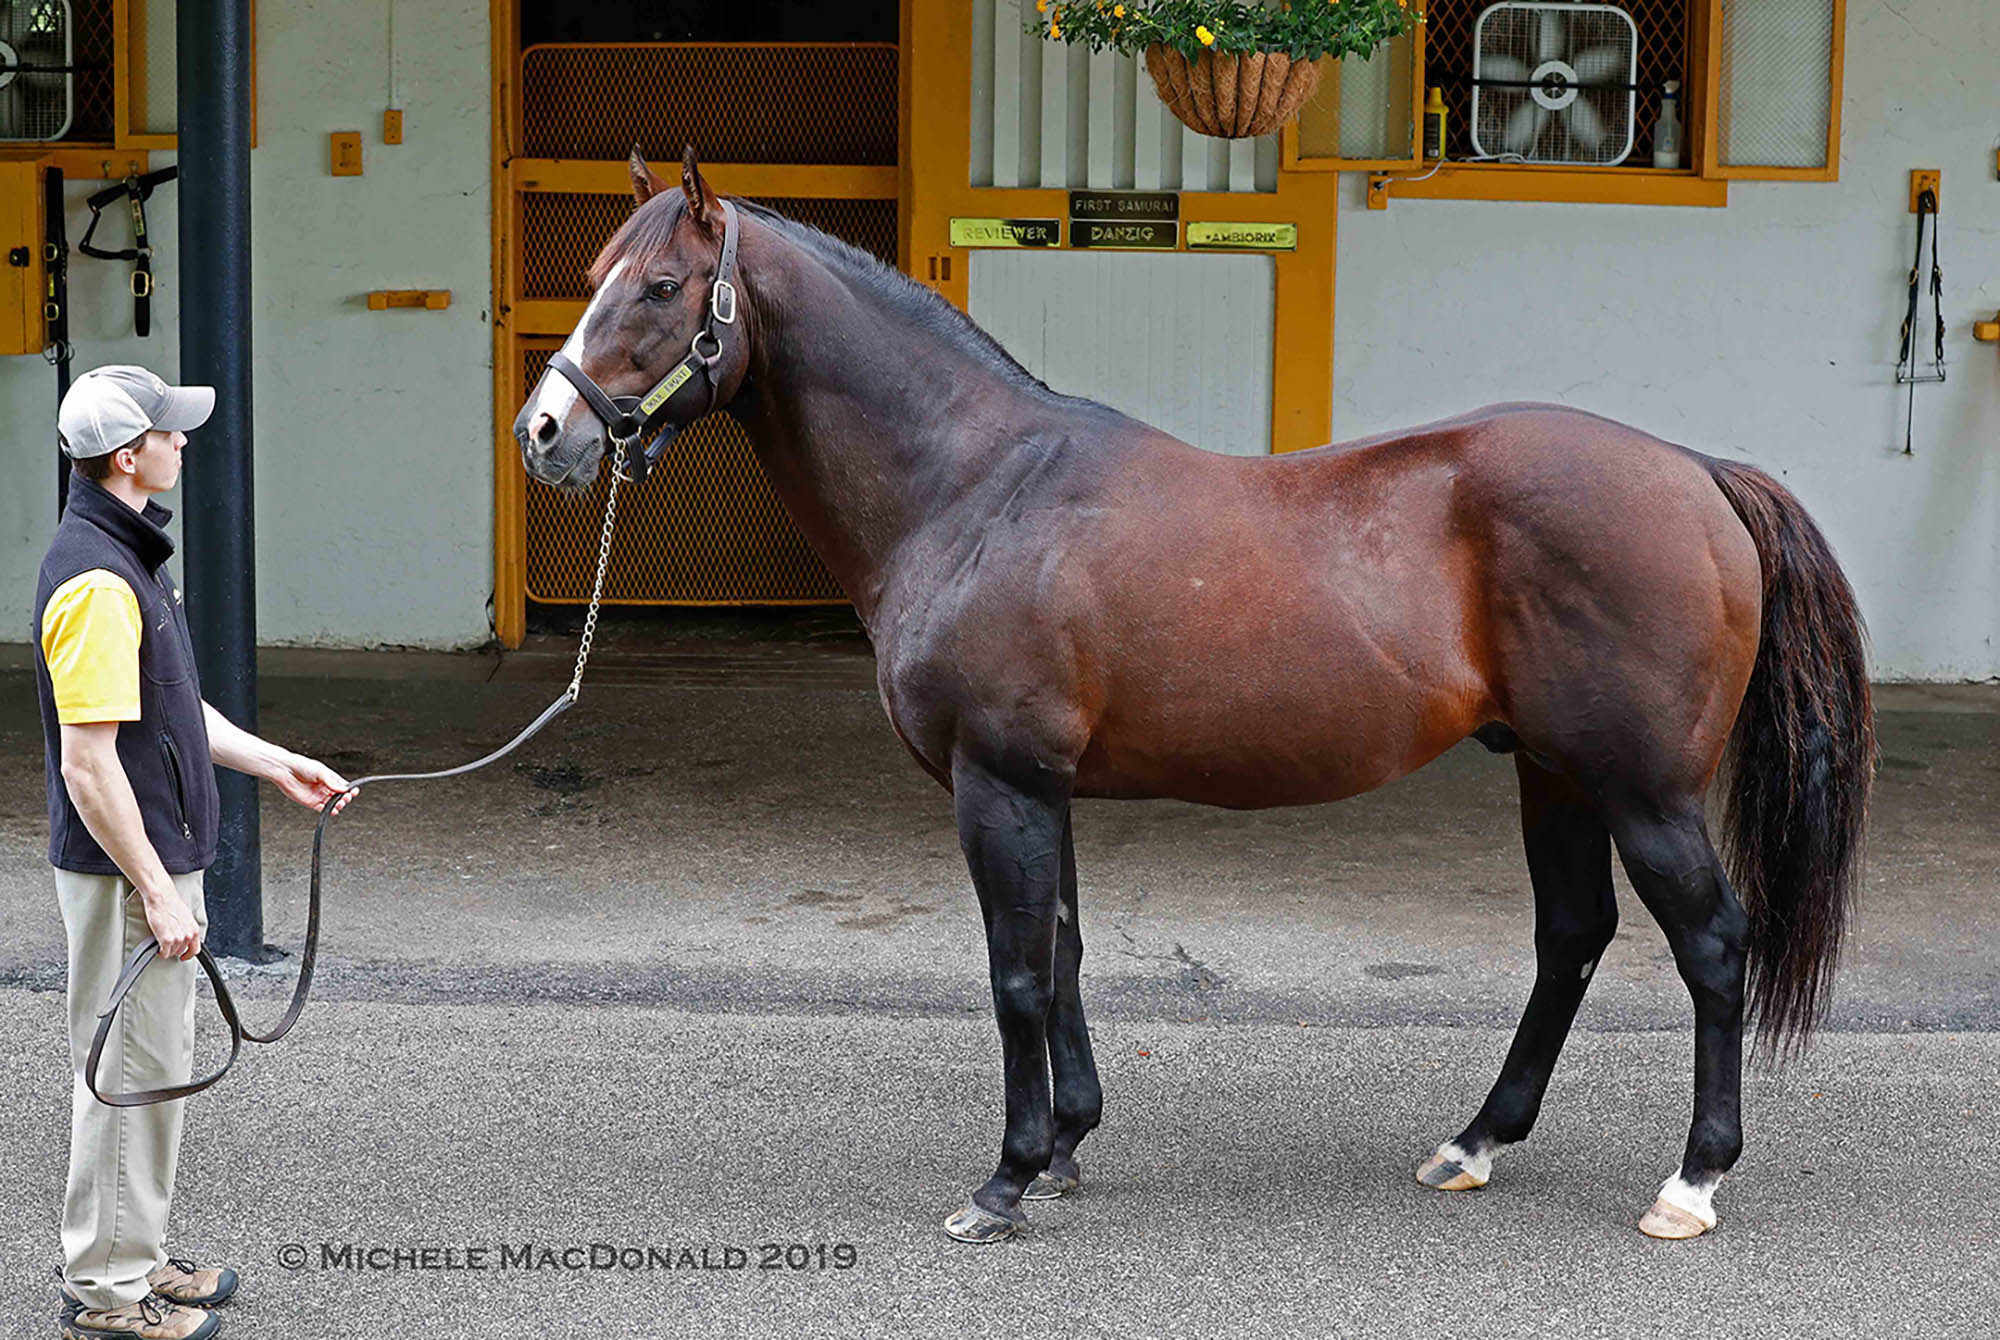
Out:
{"x": 1012, "y": 835}
{"x": 1079, "y": 1094}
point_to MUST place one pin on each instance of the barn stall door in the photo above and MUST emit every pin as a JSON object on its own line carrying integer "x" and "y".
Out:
{"x": 809, "y": 129}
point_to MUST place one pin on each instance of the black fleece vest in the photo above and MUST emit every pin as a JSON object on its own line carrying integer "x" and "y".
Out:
{"x": 165, "y": 752}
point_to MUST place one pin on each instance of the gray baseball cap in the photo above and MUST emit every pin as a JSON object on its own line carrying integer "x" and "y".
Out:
{"x": 108, "y": 407}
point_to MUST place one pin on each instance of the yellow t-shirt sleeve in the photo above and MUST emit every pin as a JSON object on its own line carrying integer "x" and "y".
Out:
{"x": 90, "y": 641}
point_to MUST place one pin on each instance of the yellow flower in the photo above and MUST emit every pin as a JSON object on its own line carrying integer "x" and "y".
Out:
{"x": 1041, "y": 6}
{"x": 1118, "y": 11}
{"x": 1055, "y": 30}
{"x": 1206, "y": 37}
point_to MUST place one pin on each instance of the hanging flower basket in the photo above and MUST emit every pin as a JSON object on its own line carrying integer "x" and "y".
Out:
{"x": 1225, "y": 67}
{"x": 1228, "y": 96}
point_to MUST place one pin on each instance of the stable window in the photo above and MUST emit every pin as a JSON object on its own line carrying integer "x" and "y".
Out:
{"x": 147, "y": 108}
{"x": 1759, "y": 85}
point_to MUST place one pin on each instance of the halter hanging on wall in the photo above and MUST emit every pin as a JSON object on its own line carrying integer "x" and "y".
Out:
{"x": 1906, "y": 358}
{"x": 137, "y": 189}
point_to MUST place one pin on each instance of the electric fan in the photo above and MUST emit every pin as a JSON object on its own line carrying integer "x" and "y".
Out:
{"x": 37, "y": 80}
{"x": 1555, "y": 82}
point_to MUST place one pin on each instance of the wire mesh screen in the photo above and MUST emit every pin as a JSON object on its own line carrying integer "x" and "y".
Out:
{"x": 1448, "y": 60}
{"x": 94, "y": 122}
{"x": 155, "y": 37}
{"x": 704, "y": 527}
{"x": 562, "y": 232}
{"x": 1363, "y": 109}
{"x": 751, "y": 103}
{"x": 1777, "y": 75}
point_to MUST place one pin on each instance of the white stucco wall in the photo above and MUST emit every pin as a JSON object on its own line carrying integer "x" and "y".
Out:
{"x": 1765, "y": 331}
{"x": 101, "y": 327}
{"x": 374, "y": 450}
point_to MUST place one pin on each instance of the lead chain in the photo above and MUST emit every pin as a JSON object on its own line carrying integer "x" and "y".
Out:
{"x": 603, "y": 561}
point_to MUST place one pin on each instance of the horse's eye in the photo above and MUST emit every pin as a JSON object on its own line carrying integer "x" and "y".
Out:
{"x": 665, "y": 288}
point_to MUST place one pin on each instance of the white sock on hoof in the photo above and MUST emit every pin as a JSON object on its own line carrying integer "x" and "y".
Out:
{"x": 1698, "y": 1201}
{"x": 1479, "y": 1165}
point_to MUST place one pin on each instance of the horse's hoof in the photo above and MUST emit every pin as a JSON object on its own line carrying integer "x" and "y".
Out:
{"x": 978, "y": 1225}
{"x": 1667, "y": 1220}
{"x": 1447, "y": 1174}
{"x": 1049, "y": 1185}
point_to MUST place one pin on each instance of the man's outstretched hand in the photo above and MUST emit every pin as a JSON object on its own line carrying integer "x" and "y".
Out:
{"x": 311, "y": 783}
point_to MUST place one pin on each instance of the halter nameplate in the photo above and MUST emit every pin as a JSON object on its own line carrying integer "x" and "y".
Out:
{"x": 664, "y": 392}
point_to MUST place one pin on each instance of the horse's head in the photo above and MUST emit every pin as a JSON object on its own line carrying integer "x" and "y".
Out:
{"x": 659, "y": 345}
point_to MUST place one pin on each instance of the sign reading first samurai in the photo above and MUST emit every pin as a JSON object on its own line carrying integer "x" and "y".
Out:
{"x": 1125, "y": 206}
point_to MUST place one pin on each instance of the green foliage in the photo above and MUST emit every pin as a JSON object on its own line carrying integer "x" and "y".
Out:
{"x": 1301, "y": 29}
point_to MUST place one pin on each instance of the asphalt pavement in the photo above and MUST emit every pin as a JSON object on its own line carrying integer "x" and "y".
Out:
{"x": 678, "y": 1026}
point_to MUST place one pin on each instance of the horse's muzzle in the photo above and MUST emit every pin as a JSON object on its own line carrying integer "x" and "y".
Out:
{"x": 553, "y": 455}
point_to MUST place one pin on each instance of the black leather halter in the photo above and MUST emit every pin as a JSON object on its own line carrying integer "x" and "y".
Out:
{"x": 631, "y": 418}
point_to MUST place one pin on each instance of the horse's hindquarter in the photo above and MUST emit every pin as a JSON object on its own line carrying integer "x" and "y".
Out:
{"x": 1624, "y": 603}
{"x": 1278, "y": 631}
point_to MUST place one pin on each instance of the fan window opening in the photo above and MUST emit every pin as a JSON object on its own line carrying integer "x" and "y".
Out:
{"x": 37, "y": 76}
{"x": 1555, "y": 81}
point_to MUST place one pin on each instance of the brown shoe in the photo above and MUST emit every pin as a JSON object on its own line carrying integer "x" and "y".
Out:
{"x": 151, "y": 1318}
{"x": 180, "y": 1280}
{"x": 193, "y": 1286}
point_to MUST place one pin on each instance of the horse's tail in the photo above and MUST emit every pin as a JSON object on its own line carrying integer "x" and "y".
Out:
{"x": 1801, "y": 759}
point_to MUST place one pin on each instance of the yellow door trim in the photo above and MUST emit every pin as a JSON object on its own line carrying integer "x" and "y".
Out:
{"x": 758, "y": 180}
{"x": 510, "y": 497}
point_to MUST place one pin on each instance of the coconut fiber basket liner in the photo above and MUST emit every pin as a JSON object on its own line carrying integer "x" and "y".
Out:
{"x": 1229, "y": 96}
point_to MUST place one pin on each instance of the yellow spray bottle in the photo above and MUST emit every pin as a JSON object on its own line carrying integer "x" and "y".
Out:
{"x": 1434, "y": 124}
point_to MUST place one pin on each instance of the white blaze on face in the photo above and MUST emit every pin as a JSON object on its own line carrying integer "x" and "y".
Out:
{"x": 555, "y": 396}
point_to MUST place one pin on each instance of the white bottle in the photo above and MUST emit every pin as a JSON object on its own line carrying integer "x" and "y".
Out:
{"x": 1667, "y": 130}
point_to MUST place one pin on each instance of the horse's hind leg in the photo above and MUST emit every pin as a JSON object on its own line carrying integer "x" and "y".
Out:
{"x": 1569, "y": 862}
{"x": 1079, "y": 1098}
{"x": 1013, "y": 840}
{"x": 1677, "y": 874}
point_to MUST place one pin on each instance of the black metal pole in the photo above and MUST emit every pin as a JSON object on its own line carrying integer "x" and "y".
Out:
{"x": 55, "y": 264}
{"x": 216, "y": 518}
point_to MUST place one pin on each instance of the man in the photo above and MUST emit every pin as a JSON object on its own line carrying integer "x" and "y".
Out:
{"x": 132, "y": 818}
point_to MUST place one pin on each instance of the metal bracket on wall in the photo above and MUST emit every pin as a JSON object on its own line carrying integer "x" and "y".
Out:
{"x": 434, "y": 299}
{"x": 1926, "y": 179}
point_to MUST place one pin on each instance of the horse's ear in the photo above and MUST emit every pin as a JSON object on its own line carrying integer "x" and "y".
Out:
{"x": 695, "y": 189}
{"x": 645, "y": 182}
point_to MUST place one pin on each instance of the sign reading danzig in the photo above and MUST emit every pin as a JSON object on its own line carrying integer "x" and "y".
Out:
{"x": 1120, "y": 206}
{"x": 1243, "y": 236}
{"x": 1006, "y": 232}
{"x": 1145, "y": 236}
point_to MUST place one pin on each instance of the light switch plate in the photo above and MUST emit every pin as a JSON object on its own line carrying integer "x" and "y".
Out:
{"x": 346, "y": 152}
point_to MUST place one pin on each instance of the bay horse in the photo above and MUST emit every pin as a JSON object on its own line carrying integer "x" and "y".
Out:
{"x": 1065, "y": 602}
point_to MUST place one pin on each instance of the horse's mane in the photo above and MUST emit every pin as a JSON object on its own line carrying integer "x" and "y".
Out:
{"x": 645, "y": 235}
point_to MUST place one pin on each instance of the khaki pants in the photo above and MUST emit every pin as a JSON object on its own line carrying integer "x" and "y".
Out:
{"x": 122, "y": 1159}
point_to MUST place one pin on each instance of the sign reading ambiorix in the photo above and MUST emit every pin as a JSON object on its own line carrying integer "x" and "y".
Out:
{"x": 1243, "y": 236}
